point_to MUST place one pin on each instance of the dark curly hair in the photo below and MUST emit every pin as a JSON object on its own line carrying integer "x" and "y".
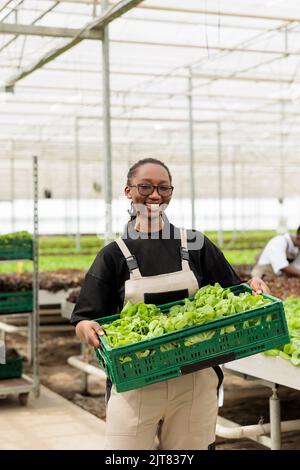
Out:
{"x": 144, "y": 161}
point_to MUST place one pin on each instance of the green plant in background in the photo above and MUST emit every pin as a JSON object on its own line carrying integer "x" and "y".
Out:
{"x": 241, "y": 256}
{"x": 49, "y": 263}
{"x": 59, "y": 252}
{"x": 290, "y": 351}
{"x": 22, "y": 235}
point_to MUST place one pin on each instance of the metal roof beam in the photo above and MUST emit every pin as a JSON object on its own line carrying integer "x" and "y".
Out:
{"x": 129, "y": 107}
{"x": 284, "y": 52}
{"x": 156, "y": 119}
{"x": 30, "y": 30}
{"x": 167, "y": 94}
{"x": 200, "y": 11}
{"x": 255, "y": 27}
{"x": 111, "y": 14}
{"x": 205, "y": 97}
{"x": 5, "y": 5}
{"x": 38, "y": 18}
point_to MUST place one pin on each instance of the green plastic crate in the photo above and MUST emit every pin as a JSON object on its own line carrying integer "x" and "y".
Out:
{"x": 16, "y": 249}
{"x": 12, "y": 369}
{"x": 255, "y": 331}
{"x": 16, "y": 302}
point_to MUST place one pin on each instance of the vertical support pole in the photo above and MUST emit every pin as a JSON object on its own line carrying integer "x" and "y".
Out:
{"x": 282, "y": 220}
{"x": 275, "y": 420}
{"x": 282, "y": 166}
{"x": 2, "y": 337}
{"x": 77, "y": 178}
{"x": 107, "y": 130}
{"x": 12, "y": 186}
{"x": 84, "y": 376}
{"x": 243, "y": 193}
{"x": 191, "y": 146}
{"x": 77, "y": 196}
{"x": 94, "y": 8}
{"x": 35, "y": 313}
{"x": 286, "y": 42}
{"x": 220, "y": 187}
{"x": 234, "y": 160}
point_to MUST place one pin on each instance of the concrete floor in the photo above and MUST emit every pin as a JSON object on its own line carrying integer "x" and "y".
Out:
{"x": 49, "y": 422}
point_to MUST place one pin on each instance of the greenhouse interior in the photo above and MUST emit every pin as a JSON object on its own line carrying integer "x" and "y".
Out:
{"x": 108, "y": 109}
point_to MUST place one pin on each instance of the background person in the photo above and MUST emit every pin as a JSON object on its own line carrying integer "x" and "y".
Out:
{"x": 296, "y": 261}
{"x": 155, "y": 262}
{"x": 280, "y": 256}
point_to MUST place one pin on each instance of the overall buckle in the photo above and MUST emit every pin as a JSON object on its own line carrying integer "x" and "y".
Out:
{"x": 131, "y": 263}
{"x": 185, "y": 254}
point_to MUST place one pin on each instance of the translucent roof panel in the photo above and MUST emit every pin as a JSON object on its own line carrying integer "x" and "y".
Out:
{"x": 237, "y": 62}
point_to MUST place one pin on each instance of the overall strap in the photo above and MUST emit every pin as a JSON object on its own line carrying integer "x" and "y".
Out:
{"x": 184, "y": 251}
{"x": 130, "y": 260}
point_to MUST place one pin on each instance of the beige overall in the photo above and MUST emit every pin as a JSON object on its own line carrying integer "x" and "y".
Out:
{"x": 182, "y": 412}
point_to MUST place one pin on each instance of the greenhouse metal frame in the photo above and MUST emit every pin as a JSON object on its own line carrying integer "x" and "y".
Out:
{"x": 212, "y": 88}
{"x": 205, "y": 65}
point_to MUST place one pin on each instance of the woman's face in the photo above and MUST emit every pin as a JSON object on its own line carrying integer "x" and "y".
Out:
{"x": 149, "y": 173}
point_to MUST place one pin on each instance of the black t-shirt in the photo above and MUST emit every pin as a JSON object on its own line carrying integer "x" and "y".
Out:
{"x": 102, "y": 293}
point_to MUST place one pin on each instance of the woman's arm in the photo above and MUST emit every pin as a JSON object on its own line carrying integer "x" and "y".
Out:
{"x": 99, "y": 297}
{"x": 258, "y": 286}
{"x": 87, "y": 331}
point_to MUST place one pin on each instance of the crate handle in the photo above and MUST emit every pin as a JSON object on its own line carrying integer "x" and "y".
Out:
{"x": 207, "y": 363}
{"x": 102, "y": 358}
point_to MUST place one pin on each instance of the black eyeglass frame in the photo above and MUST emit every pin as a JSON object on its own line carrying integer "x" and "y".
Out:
{"x": 171, "y": 188}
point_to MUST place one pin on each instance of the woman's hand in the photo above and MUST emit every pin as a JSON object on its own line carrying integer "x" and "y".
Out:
{"x": 87, "y": 331}
{"x": 258, "y": 286}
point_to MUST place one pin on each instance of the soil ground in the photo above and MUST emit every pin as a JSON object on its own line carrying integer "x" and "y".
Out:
{"x": 246, "y": 402}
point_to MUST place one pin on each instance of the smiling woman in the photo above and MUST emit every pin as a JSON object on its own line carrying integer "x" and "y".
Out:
{"x": 155, "y": 262}
{"x": 149, "y": 187}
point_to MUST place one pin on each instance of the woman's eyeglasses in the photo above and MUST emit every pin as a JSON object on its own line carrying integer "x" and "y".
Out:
{"x": 147, "y": 189}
